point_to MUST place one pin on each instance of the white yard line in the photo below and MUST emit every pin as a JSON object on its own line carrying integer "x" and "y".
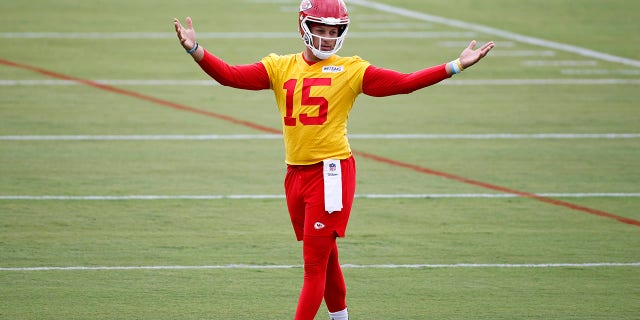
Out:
{"x": 281, "y": 196}
{"x": 472, "y": 28}
{"x": 112, "y": 82}
{"x": 541, "y": 82}
{"x": 354, "y": 136}
{"x": 461, "y": 44}
{"x": 523, "y": 53}
{"x": 492, "y": 136}
{"x": 599, "y": 72}
{"x": 496, "y": 32}
{"x": 165, "y": 137}
{"x": 346, "y": 266}
{"x": 448, "y": 82}
{"x": 559, "y": 63}
{"x": 232, "y": 35}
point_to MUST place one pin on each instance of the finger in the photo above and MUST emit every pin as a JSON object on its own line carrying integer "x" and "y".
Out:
{"x": 189, "y": 23}
{"x": 472, "y": 44}
{"x": 487, "y": 47}
{"x": 180, "y": 32}
{"x": 177, "y": 25}
{"x": 489, "y": 44}
{"x": 179, "y": 29}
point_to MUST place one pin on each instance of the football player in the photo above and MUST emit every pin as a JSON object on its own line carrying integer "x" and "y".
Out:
{"x": 314, "y": 91}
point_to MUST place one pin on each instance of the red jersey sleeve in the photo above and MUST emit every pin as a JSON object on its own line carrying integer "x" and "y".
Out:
{"x": 380, "y": 82}
{"x": 249, "y": 76}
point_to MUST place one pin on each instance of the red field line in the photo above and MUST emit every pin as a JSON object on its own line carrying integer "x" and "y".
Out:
{"x": 140, "y": 96}
{"x": 499, "y": 188}
{"x": 377, "y": 158}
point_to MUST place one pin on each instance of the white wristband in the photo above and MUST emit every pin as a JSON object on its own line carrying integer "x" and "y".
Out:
{"x": 456, "y": 66}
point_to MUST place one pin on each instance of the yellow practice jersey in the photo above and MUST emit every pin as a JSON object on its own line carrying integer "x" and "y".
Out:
{"x": 314, "y": 103}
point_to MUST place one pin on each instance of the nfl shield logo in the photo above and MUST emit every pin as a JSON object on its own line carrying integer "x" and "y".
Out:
{"x": 332, "y": 167}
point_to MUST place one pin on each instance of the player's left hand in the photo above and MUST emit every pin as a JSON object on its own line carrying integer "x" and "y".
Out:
{"x": 470, "y": 56}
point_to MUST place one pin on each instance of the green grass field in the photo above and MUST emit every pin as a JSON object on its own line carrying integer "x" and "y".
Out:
{"x": 85, "y": 232}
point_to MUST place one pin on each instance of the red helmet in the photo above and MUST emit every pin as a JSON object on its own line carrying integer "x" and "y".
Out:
{"x": 327, "y": 12}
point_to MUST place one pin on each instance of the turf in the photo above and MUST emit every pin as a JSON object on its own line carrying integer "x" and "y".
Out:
{"x": 481, "y": 258}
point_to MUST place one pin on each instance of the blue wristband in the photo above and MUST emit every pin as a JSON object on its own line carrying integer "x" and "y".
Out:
{"x": 193, "y": 49}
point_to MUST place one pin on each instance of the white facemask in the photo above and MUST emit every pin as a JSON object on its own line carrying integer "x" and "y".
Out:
{"x": 308, "y": 39}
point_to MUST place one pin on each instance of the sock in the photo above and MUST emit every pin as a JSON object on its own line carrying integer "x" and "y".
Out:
{"x": 340, "y": 315}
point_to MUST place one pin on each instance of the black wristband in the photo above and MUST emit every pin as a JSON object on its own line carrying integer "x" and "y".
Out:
{"x": 193, "y": 49}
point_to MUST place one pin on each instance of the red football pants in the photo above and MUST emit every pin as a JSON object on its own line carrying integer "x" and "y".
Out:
{"x": 304, "y": 189}
{"x": 318, "y": 231}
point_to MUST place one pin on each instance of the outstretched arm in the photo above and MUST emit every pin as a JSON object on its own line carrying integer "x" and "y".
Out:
{"x": 250, "y": 76}
{"x": 379, "y": 82}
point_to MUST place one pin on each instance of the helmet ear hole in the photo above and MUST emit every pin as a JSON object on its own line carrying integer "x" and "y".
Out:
{"x": 341, "y": 29}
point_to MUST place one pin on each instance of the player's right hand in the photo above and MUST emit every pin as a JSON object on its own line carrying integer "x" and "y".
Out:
{"x": 187, "y": 36}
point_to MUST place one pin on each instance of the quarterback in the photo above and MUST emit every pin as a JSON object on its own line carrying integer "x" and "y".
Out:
{"x": 315, "y": 91}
